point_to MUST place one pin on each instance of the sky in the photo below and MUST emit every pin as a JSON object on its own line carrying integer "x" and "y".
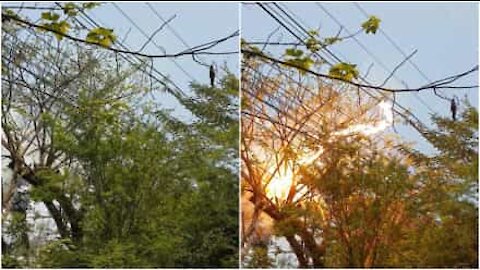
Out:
{"x": 445, "y": 36}
{"x": 195, "y": 23}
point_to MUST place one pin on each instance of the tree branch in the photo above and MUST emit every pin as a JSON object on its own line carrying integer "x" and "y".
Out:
{"x": 439, "y": 84}
{"x": 197, "y": 50}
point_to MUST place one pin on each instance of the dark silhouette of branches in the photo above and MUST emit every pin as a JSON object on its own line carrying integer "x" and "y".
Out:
{"x": 196, "y": 50}
{"x": 32, "y": 7}
{"x": 156, "y": 32}
{"x": 397, "y": 67}
{"x": 439, "y": 84}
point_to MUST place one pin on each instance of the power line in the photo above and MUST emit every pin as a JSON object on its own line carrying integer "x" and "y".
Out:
{"x": 174, "y": 32}
{"x": 374, "y": 57}
{"x": 395, "y": 45}
{"x": 299, "y": 18}
{"x": 306, "y": 31}
{"x": 178, "y": 94}
{"x": 404, "y": 115}
{"x": 154, "y": 43}
{"x": 300, "y": 27}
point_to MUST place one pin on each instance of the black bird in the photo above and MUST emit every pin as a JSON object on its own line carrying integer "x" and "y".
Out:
{"x": 453, "y": 109}
{"x": 212, "y": 76}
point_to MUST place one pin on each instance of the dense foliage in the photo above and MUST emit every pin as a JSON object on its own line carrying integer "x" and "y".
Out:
{"x": 122, "y": 182}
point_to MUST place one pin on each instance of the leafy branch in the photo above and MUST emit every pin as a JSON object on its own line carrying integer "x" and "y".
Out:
{"x": 444, "y": 83}
{"x": 104, "y": 38}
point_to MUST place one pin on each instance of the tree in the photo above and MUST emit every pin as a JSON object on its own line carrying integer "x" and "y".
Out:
{"x": 319, "y": 172}
{"x": 122, "y": 182}
{"x": 450, "y": 238}
{"x": 277, "y": 144}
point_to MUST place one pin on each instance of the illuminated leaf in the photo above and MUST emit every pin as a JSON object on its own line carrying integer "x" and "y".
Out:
{"x": 331, "y": 40}
{"x": 312, "y": 44}
{"x": 294, "y": 52}
{"x": 313, "y": 33}
{"x": 102, "y": 36}
{"x": 50, "y": 16}
{"x": 90, "y": 5}
{"x": 371, "y": 25}
{"x": 10, "y": 13}
{"x": 60, "y": 29}
{"x": 304, "y": 63}
{"x": 344, "y": 71}
{"x": 70, "y": 9}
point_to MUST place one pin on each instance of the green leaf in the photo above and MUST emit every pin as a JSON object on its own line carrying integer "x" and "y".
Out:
{"x": 70, "y": 9}
{"x": 60, "y": 29}
{"x": 313, "y": 33}
{"x": 50, "y": 16}
{"x": 304, "y": 63}
{"x": 102, "y": 36}
{"x": 312, "y": 44}
{"x": 90, "y": 5}
{"x": 63, "y": 27}
{"x": 331, "y": 40}
{"x": 10, "y": 13}
{"x": 294, "y": 52}
{"x": 371, "y": 25}
{"x": 344, "y": 71}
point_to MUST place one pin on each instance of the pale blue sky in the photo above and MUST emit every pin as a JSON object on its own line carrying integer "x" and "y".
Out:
{"x": 445, "y": 34}
{"x": 196, "y": 23}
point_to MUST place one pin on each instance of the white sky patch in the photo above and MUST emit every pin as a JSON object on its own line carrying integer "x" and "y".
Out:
{"x": 369, "y": 129}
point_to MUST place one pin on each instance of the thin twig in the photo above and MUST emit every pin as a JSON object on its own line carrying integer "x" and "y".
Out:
{"x": 397, "y": 67}
{"x": 199, "y": 49}
{"x": 440, "y": 84}
{"x": 156, "y": 32}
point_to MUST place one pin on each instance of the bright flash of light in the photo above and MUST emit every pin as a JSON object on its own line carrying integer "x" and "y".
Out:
{"x": 369, "y": 129}
{"x": 284, "y": 177}
{"x": 281, "y": 182}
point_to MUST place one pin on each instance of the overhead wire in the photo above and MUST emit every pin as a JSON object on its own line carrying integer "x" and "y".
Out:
{"x": 405, "y": 114}
{"x": 179, "y": 93}
{"x": 372, "y": 55}
{"x": 124, "y": 14}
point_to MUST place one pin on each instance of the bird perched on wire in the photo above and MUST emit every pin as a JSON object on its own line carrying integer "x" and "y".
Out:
{"x": 453, "y": 109}
{"x": 212, "y": 76}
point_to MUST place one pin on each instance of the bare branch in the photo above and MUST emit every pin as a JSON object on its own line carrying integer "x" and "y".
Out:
{"x": 397, "y": 67}
{"x": 156, "y": 31}
{"x": 440, "y": 84}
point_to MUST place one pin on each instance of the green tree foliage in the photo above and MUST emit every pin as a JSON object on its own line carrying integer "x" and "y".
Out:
{"x": 371, "y": 25}
{"x": 126, "y": 183}
{"x": 367, "y": 201}
{"x": 61, "y": 24}
{"x": 259, "y": 258}
{"x": 449, "y": 238}
{"x": 344, "y": 71}
{"x": 395, "y": 207}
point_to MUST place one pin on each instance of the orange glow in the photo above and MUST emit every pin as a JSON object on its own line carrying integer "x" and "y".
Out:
{"x": 284, "y": 178}
{"x": 281, "y": 181}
